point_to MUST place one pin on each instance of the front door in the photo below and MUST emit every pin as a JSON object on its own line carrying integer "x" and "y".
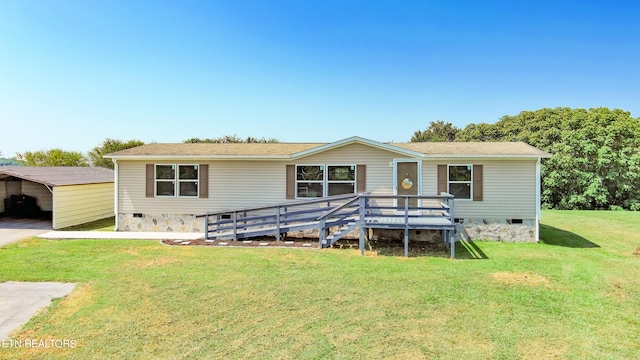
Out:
{"x": 407, "y": 181}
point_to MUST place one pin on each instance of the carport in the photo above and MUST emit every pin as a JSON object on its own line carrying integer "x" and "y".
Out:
{"x": 68, "y": 195}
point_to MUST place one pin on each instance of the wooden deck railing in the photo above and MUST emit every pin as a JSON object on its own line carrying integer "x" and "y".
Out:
{"x": 350, "y": 211}
{"x": 274, "y": 219}
{"x": 409, "y": 212}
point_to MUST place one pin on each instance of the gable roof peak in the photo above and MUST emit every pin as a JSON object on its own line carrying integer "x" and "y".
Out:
{"x": 358, "y": 140}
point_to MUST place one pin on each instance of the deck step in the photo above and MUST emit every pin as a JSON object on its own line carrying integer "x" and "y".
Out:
{"x": 337, "y": 235}
{"x": 348, "y": 226}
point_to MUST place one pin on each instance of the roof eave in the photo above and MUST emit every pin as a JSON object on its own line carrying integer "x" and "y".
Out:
{"x": 198, "y": 157}
{"x": 484, "y": 157}
{"x": 357, "y": 140}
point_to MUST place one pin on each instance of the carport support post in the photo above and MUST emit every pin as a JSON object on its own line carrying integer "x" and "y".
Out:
{"x": 115, "y": 195}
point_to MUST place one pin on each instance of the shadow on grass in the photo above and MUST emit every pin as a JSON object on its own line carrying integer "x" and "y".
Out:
{"x": 463, "y": 250}
{"x": 553, "y": 236}
{"x": 106, "y": 224}
{"x": 469, "y": 250}
{"x": 416, "y": 248}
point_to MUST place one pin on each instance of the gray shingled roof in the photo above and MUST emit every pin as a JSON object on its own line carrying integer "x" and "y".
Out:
{"x": 216, "y": 149}
{"x": 289, "y": 150}
{"x": 59, "y": 175}
{"x": 473, "y": 148}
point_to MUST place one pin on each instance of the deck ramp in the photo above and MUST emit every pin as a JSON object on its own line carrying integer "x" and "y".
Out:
{"x": 336, "y": 216}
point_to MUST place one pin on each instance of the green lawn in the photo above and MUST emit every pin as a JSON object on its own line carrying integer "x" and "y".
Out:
{"x": 107, "y": 224}
{"x": 576, "y": 295}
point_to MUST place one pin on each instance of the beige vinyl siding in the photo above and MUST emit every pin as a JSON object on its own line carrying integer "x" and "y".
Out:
{"x": 245, "y": 183}
{"x": 379, "y": 170}
{"x": 232, "y": 184}
{"x": 3, "y": 195}
{"x": 11, "y": 188}
{"x": 509, "y": 189}
{"x": 40, "y": 192}
{"x": 78, "y": 204}
{"x": 509, "y": 185}
{"x": 379, "y": 166}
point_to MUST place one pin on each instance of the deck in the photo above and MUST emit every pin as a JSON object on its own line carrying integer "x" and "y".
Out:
{"x": 346, "y": 213}
{"x": 412, "y": 222}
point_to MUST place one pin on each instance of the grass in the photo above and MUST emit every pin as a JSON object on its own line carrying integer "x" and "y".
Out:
{"x": 574, "y": 296}
{"x": 107, "y": 224}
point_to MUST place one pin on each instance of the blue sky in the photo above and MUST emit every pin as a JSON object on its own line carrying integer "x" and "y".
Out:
{"x": 73, "y": 73}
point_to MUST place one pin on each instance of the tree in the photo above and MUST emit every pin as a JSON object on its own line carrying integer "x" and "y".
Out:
{"x": 228, "y": 139}
{"x": 595, "y": 161}
{"x": 9, "y": 162}
{"x": 53, "y": 157}
{"x": 479, "y": 132}
{"x": 438, "y": 131}
{"x": 110, "y": 146}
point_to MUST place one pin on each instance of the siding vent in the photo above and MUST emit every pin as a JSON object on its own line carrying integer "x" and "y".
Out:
{"x": 516, "y": 221}
{"x": 137, "y": 215}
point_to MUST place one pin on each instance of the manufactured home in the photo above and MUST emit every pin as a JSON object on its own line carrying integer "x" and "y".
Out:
{"x": 493, "y": 187}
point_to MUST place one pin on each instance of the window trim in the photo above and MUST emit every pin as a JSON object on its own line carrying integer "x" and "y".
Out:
{"x": 321, "y": 182}
{"x": 156, "y": 180}
{"x": 354, "y": 181}
{"x": 197, "y": 181}
{"x": 470, "y": 182}
{"x": 325, "y": 179}
{"x": 176, "y": 181}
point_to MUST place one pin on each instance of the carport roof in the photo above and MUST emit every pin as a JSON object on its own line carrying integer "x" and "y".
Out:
{"x": 59, "y": 175}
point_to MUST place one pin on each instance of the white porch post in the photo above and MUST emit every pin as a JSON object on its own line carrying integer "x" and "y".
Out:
{"x": 115, "y": 193}
{"x": 538, "y": 199}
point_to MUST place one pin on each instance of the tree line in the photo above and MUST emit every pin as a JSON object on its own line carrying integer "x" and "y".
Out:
{"x": 59, "y": 157}
{"x": 595, "y": 161}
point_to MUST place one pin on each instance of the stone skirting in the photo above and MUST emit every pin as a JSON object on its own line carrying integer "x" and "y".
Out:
{"x": 466, "y": 229}
{"x": 496, "y": 230}
{"x": 160, "y": 222}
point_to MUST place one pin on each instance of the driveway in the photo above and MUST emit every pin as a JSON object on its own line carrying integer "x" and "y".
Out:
{"x": 19, "y": 301}
{"x": 13, "y": 230}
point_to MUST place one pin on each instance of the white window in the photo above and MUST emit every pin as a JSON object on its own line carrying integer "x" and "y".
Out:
{"x": 325, "y": 180}
{"x": 309, "y": 181}
{"x": 459, "y": 181}
{"x": 341, "y": 179}
{"x": 177, "y": 180}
